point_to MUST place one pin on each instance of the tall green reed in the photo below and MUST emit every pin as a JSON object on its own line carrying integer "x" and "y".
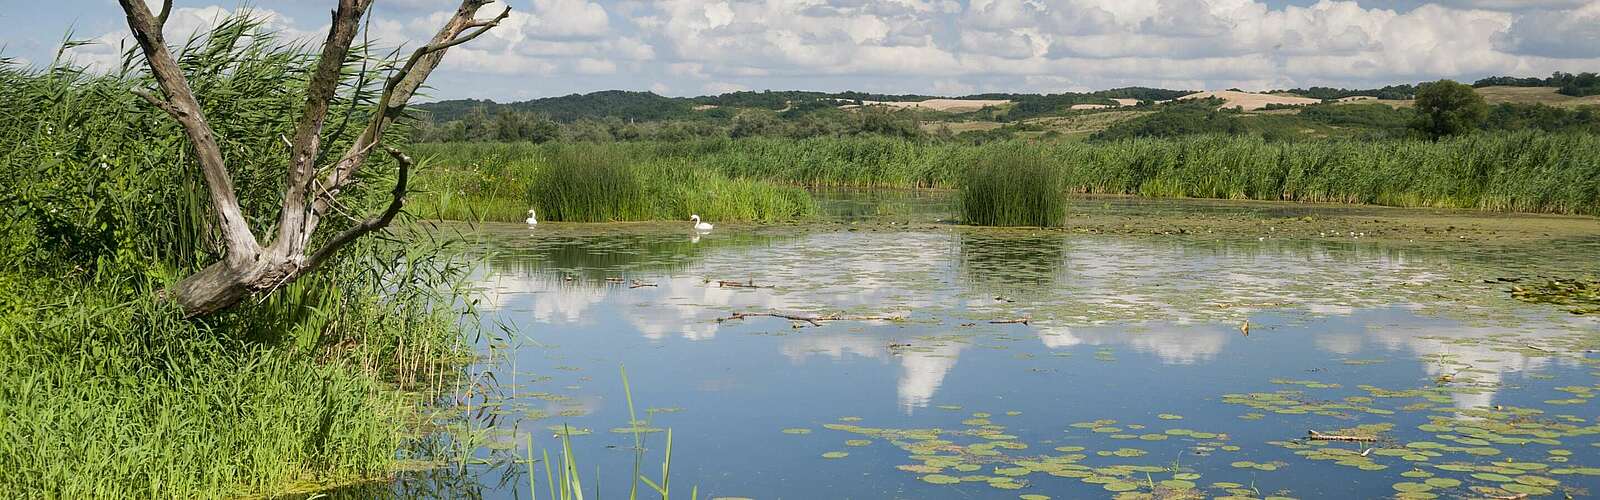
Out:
{"x": 1013, "y": 187}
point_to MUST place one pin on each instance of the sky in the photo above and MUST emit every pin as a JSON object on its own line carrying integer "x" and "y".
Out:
{"x": 939, "y": 47}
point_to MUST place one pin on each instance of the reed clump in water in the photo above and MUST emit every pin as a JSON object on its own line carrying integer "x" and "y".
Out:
{"x": 1013, "y": 187}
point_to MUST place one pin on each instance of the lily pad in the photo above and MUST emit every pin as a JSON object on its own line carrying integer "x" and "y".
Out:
{"x": 940, "y": 479}
{"x": 1120, "y": 486}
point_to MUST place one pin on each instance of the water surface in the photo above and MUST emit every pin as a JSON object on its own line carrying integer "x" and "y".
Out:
{"x": 1177, "y": 365}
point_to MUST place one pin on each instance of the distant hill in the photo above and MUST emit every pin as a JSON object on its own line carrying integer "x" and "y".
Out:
{"x": 645, "y": 106}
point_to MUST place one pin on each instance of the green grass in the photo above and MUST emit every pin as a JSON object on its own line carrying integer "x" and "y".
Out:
{"x": 1015, "y": 187}
{"x": 591, "y": 183}
{"x": 107, "y": 392}
{"x": 1521, "y": 172}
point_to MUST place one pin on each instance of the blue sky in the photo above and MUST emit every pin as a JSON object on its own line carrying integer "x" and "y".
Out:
{"x": 945, "y": 47}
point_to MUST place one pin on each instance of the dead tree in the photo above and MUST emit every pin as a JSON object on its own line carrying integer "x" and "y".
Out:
{"x": 249, "y": 266}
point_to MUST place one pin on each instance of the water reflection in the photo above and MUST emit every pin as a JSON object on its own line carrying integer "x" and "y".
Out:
{"x": 1108, "y": 316}
{"x": 1180, "y": 301}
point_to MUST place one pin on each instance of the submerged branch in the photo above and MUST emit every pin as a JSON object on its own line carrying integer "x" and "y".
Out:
{"x": 814, "y": 320}
{"x": 1318, "y": 436}
{"x": 736, "y": 284}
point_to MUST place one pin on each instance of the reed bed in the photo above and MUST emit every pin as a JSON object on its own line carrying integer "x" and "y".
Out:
{"x": 593, "y": 183}
{"x": 1522, "y": 172}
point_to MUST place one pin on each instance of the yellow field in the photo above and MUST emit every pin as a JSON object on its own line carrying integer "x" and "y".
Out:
{"x": 1534, "y": 95}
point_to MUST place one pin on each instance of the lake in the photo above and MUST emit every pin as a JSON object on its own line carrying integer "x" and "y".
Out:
{"x": 1174, "y": 349}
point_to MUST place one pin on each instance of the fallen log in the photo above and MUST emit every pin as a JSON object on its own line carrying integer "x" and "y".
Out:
{"x": 1023, "y": 321}
{"x": 1318, "y": 436}
{"x": 738, "y": 284}
{"x": 813, "y": 320}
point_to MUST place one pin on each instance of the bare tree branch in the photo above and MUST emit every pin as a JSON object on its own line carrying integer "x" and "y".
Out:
{"x": 482, "y": 25}
{"x": 396, "y": 202}
{"x": 157, "y": 102}
{"x": 397, "y": 93}
{"x": 166, "y": 10}
{"x": 241, "y": 243}
{"x": 307, "y": 143}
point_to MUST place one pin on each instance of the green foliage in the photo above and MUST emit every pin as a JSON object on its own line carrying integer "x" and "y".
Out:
{"x": 1576, "y": 85}
{"x": 1365, "y": 115}
{"x": 1142, "y": 93}
{"x": 1390, "y": 92}
{"x": 1447, "y": 108}
{"x": 1511, "y": 116}
{"x": 1013, "y": 187}
{"x": 1175, "y": 120}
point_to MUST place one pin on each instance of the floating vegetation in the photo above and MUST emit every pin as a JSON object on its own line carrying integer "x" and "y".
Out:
{"x": 1577, "y": 295}
{"x": 835, "y": 454}
{"x": 797, "y": 430}
{"x": 952, "y": 456}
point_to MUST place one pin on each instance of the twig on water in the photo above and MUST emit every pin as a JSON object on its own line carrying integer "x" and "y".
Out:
{"x": 1536, "y": 348}
{"x": 1023, "y": 321}
{"x": 1318, "y": 436}
{"x": 738, "y": 284}
{"x": 813, "y": 320}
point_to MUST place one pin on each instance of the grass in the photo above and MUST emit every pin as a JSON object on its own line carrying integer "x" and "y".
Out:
{"x": 1521, "y": 172}
{"x": 107, "y": 391}
{"x": 592, "y": 183}
{"x": 1014, "y": 187}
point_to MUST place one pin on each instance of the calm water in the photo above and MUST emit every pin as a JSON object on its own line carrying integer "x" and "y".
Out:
{"x": 1134, "y": 367}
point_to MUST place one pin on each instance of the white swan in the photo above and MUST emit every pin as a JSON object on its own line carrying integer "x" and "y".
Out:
{"x": 699, "y": 226}
{"x": 532, "y": 218}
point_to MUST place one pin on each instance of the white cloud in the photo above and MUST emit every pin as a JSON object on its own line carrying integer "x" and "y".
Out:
{"x": 722, "y": 87}
{"x": 569, "y": 18}
{"x": 950, "y": 47}
{"x": 105, "y": 52}
{"x": 1554, "y": 33}
{"x": 590, "y": 66}
{"x": 1212, "y": 42}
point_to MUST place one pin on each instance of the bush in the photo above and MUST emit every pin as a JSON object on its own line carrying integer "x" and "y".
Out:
{"x": 1447, "y": 108}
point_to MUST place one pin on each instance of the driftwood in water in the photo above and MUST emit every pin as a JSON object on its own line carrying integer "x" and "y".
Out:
{"x": 814, "y": 320}
{"x": 738, "y": 284}
{"x": 1318, "y": 436}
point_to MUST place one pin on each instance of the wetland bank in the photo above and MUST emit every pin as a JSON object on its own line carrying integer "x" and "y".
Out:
{"x": 1132, "y": 375}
